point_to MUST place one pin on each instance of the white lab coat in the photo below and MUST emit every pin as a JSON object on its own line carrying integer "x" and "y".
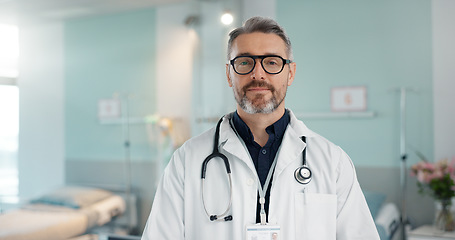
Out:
{"x": 331, "y": 206}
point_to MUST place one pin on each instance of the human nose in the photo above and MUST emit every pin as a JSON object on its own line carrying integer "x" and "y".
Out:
{"x": 258, "y": 71}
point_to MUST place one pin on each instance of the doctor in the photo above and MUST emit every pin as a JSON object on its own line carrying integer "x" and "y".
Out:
{"x": 276, "y": 179}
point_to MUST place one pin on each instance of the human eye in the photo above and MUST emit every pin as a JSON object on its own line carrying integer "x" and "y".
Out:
{"x": 272, "y": 61}
{"x": 243, "y": 61}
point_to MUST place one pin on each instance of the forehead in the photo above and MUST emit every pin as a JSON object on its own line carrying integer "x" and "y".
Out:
{"x": 258, "y": 43}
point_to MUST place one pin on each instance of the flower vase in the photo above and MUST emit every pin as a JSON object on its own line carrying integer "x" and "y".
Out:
{"x": 444, "y": 218}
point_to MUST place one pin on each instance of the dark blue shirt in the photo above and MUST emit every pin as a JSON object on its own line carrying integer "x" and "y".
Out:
{"x": 263, "y": 156}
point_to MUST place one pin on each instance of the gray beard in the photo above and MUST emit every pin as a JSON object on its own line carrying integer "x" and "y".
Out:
{"x": 248, "y": 106}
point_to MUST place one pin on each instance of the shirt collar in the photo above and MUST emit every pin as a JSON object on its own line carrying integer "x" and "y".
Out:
{"x": 278, "y": 128}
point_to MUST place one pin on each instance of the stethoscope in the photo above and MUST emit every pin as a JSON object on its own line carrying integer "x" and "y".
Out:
{"x": 302, "y": 175}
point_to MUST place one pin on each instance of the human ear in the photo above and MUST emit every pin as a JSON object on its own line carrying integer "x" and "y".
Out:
{"x": 291, "y": 74}
{"x": 228, "y": 76}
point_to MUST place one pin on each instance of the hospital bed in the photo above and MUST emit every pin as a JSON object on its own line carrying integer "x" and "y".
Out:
{"x": 64, "y": 213}
{"x": 385, "y": 214}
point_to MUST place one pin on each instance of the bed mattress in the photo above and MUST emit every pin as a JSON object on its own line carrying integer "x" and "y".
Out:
{"x": 40, "y": 221}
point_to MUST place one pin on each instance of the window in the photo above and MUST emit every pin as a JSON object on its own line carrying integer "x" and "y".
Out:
{"x": 9, "y": 131}
{"x": 9, "y": 111}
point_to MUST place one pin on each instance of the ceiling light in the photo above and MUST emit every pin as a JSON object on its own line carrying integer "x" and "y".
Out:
{"x": 227, "y": 18}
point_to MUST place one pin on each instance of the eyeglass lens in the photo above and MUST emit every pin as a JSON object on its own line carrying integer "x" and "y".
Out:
{"x": 272, "y": 64}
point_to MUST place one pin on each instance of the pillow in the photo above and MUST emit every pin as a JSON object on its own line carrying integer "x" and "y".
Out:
{"x": 374, "y": 201}
{"x": 73, "y": 197}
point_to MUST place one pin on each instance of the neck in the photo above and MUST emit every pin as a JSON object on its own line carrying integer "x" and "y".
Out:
{"x": 258, "y": 122}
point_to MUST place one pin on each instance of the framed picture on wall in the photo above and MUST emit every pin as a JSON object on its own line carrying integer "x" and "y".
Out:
{"x": 109, "y": 109}
{"x": 349, "y": 99}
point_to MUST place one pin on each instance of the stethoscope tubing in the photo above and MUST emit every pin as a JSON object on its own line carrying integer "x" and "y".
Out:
{"x": 216, "y": 153}
{"x": 223, "y": 216}
{"x": 299, "y": 177}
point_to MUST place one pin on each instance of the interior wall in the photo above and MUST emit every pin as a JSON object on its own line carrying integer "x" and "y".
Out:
{"x": 382, "y": 45}
{"x": 175, "y": 45}
{"x": 443, "y": 21}
{"x": 109, "y": 56}
{"x": 264, "y": 8}
{"x": 41, "y": 109}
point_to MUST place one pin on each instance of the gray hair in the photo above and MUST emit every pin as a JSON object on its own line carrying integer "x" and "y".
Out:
{"x": 263, "y": 25}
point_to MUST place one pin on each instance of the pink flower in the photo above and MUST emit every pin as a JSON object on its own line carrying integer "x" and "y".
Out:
{"x": 433, "y": 175}
{"x": 424, "y": 177}
{"x": 428, "y": 166}
{"x": 437, "y": 174}
{"x": 452, "y": 164}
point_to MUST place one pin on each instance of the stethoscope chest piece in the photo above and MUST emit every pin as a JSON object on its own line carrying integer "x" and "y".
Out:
{"x": 303, "y": 175}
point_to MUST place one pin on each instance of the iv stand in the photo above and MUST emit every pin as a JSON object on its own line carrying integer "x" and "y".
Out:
{"x": 403, "y": 157}
{"x": 127, "y": 144}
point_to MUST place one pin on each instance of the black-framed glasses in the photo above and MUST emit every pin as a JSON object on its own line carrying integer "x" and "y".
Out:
{"x": 272, "y": 64}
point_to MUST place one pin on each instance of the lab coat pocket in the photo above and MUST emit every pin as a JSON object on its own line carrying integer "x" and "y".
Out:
{"x": 315, "y": 216}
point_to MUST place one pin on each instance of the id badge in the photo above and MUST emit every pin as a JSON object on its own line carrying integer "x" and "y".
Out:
{"x": 263, "y": 232}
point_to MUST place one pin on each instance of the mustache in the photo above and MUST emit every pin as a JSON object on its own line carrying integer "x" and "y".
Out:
{"x": 256, "y": 83}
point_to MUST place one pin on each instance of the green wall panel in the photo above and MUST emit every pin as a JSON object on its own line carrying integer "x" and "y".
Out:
{"x": 382, "y": 45}
{"x": 105, "y": 55}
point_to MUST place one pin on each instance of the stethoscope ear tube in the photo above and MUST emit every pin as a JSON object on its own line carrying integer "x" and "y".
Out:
{"x": 216, "y": 153}
{"x": 212, "y": 156}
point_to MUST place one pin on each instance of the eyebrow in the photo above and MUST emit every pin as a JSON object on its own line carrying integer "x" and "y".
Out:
{"x": 249, "y": 54}
{"x": 244, "y": 54}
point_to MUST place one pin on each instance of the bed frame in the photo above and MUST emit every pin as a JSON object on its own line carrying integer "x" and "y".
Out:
{"x": 65, "y": 213}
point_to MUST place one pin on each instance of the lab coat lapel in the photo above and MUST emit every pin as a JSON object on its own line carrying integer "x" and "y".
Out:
{"x": 231, "y": 143}
{"x": 292, "y": 144}
{"x": 290, "y": 150}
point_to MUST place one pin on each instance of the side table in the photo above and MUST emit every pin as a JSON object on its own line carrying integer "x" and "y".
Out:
{"x": 428, "y": 232}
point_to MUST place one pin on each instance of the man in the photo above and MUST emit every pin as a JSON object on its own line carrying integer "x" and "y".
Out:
{"x": 285, "y": 182}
